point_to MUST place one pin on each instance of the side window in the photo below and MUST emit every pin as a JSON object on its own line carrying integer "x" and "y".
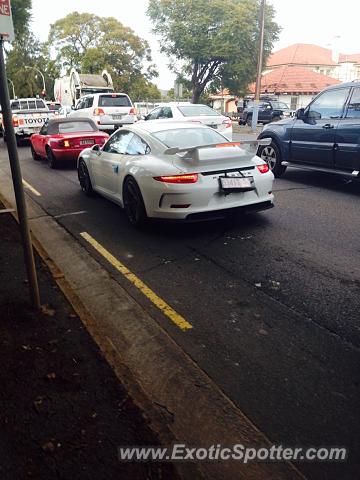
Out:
{"x": 88, "y": 102}
{"x": 154, "y": 115}
{"x": 44, "y": 129}
{"x": 24, "y": 105}
{"x": 40, "y": 104}
{"x": 166, "y": 113}
{"x": 328, "y": 105}
{"x": 353, "y": 110}
{"x": 137, "y": 146}
{"x": 32, "y": 104}
{"x": 80, "y": 104}
{"x": 119, "y": 142}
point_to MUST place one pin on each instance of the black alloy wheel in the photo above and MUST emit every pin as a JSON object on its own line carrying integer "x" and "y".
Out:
{"x": 84, "y": 178}
{"x": 133, "y": 203}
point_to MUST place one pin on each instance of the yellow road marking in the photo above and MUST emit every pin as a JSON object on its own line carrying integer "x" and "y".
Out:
{"x": 155, "y": 299}
{"x": 32, "y": 189}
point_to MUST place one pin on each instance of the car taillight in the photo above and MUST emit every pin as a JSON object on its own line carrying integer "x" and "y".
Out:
{"x": 103, "y": 139}
{"x": 264, "y": 168}
{"x": 65, "y": 143}
{"x": 227, "y": 123}
{"x": 132, "y": 111}
{"x": 98, "y": 111}
{"x": 15, "y": 121}
{"x": 186, "y": 178}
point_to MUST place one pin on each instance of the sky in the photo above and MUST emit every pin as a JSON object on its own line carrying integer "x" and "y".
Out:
{"x": 302, "y": 21}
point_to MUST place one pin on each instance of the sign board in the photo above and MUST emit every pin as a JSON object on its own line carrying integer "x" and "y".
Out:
{"x": 6, "y": 22}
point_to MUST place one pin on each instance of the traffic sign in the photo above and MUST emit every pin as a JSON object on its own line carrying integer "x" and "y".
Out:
{"x": 6, "y": 21}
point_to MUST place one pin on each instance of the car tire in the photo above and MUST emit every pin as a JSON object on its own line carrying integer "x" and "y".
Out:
{"x": 84, "y": 178}
{"x": 18, "y": 140}
{"x": 133, "y": 203}
{"x": 272, "y": 156}
{"x": 34, "y": 155}
{"x": 52, "y": 162}
{"x": 249, "y": 120}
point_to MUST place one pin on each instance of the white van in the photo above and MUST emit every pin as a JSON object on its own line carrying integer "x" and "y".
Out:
{"x": 108, "y": 110}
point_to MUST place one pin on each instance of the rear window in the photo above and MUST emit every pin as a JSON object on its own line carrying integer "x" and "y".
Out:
{"x": 197, "y": 110}
{"x": 54, "y": 106}
{"x": 27, "y": 104}
{"x": 74, "y": 127}
{"x": 189, "y": 137}
{"x": 114, "y": 101}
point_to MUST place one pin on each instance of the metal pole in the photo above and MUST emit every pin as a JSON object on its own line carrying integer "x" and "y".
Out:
{"x": 17, "y": 182}
{"x": 13, "y": 88}
{"x": 42, "y": 76}
{"x": 255, "y": 114}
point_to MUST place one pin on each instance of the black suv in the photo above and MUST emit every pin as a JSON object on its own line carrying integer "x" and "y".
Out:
{"x": 323, "y": 136}
{"x": 269, "y": 111}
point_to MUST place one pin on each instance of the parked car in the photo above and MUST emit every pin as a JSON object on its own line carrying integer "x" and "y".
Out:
{"x": 323, "y": 136}
{"x": 176, "y": 171}
{"x": 108, "y": 110}
{"x": 269, "y": 111}
{"x": 191, "y": 112}
{"x": 64, "y": 138}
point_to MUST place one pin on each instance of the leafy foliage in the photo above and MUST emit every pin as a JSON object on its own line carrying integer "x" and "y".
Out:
{"x": 21, "y": 14}
{"x": 91, "y": 43}
{"x": 215, "y": 40}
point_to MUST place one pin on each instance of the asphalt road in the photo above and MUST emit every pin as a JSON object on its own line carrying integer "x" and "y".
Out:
{"x": 274, "y": 299}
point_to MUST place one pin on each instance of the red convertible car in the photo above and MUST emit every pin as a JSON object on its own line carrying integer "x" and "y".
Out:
{"x": 64, "y": 138}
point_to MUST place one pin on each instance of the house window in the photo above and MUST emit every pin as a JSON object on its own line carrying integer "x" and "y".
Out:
{"x": 293, "y": 103}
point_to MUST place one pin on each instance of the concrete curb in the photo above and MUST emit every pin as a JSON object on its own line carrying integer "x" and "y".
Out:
{"x": 181, "y": 402}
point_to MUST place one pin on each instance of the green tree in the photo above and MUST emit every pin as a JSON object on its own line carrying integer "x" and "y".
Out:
{"x": 214, "y": 40}
{"x": 91, "y": 43}
{"x": 21, "y": 14}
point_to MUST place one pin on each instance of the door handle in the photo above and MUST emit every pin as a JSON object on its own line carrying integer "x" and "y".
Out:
{"x": 328, "y": 125}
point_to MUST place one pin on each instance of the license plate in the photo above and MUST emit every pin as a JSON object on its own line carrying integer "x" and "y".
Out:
{"x": 87, "y": 142}
{"x": 117, "y": 117}
{"x": 235, "y": 183}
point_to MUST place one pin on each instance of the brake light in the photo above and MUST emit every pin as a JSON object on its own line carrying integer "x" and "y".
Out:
{"x": 132, "y": 111}
{"x": 263, "y": 168}
{"x": 65, "y": 143}
{"x": 15, "y": 121}
{"x": 227, "y": 123}
{"x": 186, "y": 178}
{"x": 98, "y": 111}
{"x": 228, "y": 144}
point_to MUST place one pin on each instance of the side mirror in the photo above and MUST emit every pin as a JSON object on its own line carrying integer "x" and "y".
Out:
{"x": 96, "y": 148}
{"x": 300, "y": 114}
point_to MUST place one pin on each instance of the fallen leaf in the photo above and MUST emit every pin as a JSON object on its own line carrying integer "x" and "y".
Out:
{"x": 47, "y": 310}
{"x": 49, "y": 447}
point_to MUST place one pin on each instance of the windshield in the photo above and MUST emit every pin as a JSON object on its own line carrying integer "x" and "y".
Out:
{"x": 197, "y": 110}
{"x": 73, "y": 127}
{"x": 189, "y": 137}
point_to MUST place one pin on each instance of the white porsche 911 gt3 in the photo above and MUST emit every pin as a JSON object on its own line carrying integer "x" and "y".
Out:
{"x": 176, "y": 171}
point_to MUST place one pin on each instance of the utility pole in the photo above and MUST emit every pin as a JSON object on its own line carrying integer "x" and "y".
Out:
{"x": 17, "y": 182}
{"x": 255, "y": 114}
{"x": 13, "y": 87}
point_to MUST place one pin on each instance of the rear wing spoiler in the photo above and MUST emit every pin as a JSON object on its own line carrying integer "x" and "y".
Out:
{"x": 252, "y": 143}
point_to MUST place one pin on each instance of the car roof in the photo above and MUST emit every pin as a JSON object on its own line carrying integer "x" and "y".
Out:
{"x": 54, "y": 121}
{"x": 151, "y": 126}
{"x": 354, "y": 83}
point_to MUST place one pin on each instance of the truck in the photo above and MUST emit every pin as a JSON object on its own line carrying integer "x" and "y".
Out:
{"x": 28, "y": 116}
{"x": 68, "y": 89}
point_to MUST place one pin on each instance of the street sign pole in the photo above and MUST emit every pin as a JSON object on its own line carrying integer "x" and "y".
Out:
{"x": 17, "y": 182}
{"x": 255, "y": 114}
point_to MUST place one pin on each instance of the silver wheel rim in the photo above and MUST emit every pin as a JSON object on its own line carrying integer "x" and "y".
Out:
{"x": 269, "y": 155}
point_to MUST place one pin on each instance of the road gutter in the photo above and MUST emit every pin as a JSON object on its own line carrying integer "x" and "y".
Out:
{"x": 180, "y": 401}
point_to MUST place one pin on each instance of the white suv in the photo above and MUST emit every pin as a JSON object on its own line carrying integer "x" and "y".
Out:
{"x": 108, "y": 110}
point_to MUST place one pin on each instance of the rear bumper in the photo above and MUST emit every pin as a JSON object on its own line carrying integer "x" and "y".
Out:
{"x": 227, "y": 212}
{"x": 70, "y": 154}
